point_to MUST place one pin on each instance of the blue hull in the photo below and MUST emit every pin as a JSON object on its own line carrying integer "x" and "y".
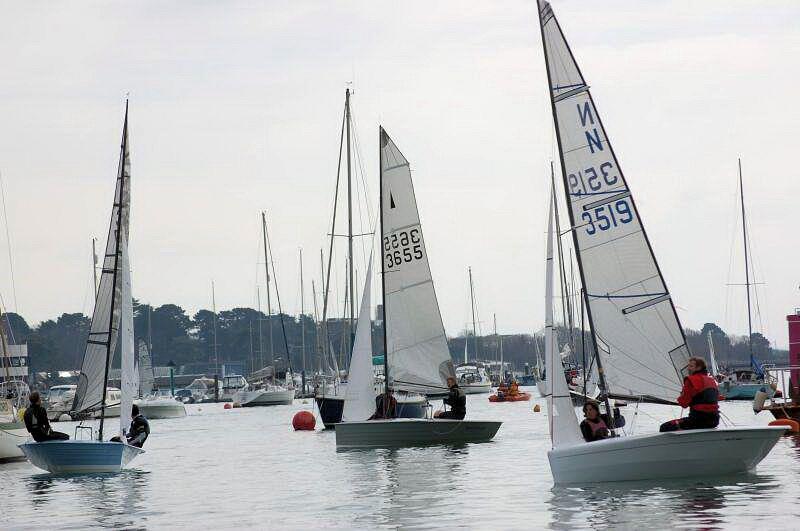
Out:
{"x": 330, "y": 410}
{"x": 79, "y": 457}
{"x": 734, "y": 391}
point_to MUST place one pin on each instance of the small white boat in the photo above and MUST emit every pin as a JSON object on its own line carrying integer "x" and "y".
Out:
{"x": 271, "y": 395}
{"x": 59, "y": 400}
{"x": 12, "y": 434}
{"x": 159, "y": 407}
{"x": 677, "y": 454}
{"x": 80, "y": 457}
{"x": 413, "y": 432}
{"x": 473, "y": 379}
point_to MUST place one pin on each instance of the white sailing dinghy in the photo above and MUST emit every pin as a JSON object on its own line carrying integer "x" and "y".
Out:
{"x": 113, "y": 311}
{"x": 152, "y": 405}
{"x": 417, "y": 358}
{"x": 640, "y": 348}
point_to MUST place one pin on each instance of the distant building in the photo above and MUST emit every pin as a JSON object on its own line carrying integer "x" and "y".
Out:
{"x": 15, "y": 365}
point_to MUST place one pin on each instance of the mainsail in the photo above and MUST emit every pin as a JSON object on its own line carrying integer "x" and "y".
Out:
{"x": 417, "y": 354}
{"x": 146, "y": 379}
{"x": 638, "y": 334}
{"x": 359, "y": 401}
{"x": 103, "y": 333}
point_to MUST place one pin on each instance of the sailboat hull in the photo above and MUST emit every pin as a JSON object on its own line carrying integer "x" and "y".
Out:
{"x": 12, "y": 434}
{"x": 679, "y": 454}
{"x": 79, "y": 457}
{"x": 413, "y": 432}
{"x": 744, "y": 391}
{"x": 161, "y": 408}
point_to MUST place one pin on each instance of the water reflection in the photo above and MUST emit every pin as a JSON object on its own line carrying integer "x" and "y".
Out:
{"x": 103, "y": 500}
{"x": 664, "y": 504}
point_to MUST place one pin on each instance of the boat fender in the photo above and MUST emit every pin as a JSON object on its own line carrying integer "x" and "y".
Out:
{"x": 536, "y": 408}
{"x": 758, "y": 400}
{"x": 304, "y": 421}
{"x": 793, "y": 425}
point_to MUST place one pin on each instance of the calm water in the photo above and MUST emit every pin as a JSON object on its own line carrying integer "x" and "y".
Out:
{"x": 247, "y": 468}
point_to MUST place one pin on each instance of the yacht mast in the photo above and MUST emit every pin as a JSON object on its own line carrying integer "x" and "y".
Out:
{"x": 351, "y": 284}
{"x": 269, "y": 301}
{"x": 747, "y": 275}
{"x": 474, "y": 323}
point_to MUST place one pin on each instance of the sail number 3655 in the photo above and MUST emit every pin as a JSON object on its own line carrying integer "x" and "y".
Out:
{"x": 403, "y": 246}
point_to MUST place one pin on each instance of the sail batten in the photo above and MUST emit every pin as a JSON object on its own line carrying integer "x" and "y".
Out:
{"x": 418, "y": 358}
{"x": 630, "y": 309}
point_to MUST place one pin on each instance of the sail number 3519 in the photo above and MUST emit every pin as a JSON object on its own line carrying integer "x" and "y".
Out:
{"x": 607, "y": 216}
{"x": 402, "y": 247}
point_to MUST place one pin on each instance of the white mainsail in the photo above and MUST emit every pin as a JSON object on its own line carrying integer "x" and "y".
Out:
{"x": 712, "y": 355}
{"x": 146, "y": 378}
{"x": 639, "y": 336}
{"x": 417, "y": 354}
{"x": 129, "y": 380}
{"x": 561, "y": 413}
{"x": 102, "y": 341}
{"x": 359, "y": 401}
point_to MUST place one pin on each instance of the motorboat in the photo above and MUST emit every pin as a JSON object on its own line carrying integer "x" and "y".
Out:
{"x": 472, "y": 378}
{"x": 266, "y": 395}
{"x": 159, "y": 407}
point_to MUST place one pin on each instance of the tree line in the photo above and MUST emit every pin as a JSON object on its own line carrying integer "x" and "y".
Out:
{"x": 254, "y": 340}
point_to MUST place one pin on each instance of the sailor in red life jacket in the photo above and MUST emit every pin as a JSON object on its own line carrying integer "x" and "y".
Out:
{"x": 594, "y": 427}
{"x": 700, "y": 394}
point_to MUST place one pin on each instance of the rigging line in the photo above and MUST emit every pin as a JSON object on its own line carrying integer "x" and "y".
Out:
{"x": 8, "y": 241}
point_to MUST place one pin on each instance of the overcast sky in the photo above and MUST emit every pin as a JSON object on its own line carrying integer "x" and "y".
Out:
{"x": 236, "y": 107}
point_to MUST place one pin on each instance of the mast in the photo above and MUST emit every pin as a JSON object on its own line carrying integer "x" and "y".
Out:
{"x": 214, "y": 323}
{"x": 349, "y": 222}
{"x": 115, "y": 274}
{"x": 302, "y": 313}
{"x": 566, "y": 304}
{"x": 747, "y": 276}
{"x": 381, "y": 142}
{"x": 269, "y": 303}
{"x": 474, "y": 324}
{"x": 260, "y": 335}
{"x": 289, "y": 377}
{"x": 601, "y": 374}
{"x": 94, "y": 266}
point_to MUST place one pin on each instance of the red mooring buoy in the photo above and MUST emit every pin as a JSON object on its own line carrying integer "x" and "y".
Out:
{"x": 304, "y": 420}
{"x": 227, "y": 405}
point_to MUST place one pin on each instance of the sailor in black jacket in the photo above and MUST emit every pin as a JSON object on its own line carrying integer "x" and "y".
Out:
{"x": 37, "y": 423}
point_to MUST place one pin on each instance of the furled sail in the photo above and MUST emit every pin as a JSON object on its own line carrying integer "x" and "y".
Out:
{"x": 359, "y": 401}
{"x": 129, "y": 379}
{"x": 418, "y": 357}
{"x": 560, "y": 411}
{"x": 639, "y": 336}
{"x": 146, "y": 380}
{"x": 103, "y": 332}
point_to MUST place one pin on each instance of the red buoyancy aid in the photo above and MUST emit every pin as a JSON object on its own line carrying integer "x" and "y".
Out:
{"x": 700, "y": 393}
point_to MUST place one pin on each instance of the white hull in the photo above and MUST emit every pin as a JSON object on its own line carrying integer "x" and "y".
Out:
{"x": 11, "y": 436}
{"x": 80, "y": 457}
{"x": 678, "y": 454}
{"x": 111, "y": 412}
{"x": 476, "y": 388}
{"x": 161, "y": 408}
{"x": 541, "y": 386}
{"x": 413, "y": 432}
{"x": 265, "y": 397}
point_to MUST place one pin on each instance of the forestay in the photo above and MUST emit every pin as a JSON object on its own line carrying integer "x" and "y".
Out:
{"x": 359, "y": 401}
{"x": 418, "y": 357}
{"x": 146, "y": 379}
{"x": 639, "y": 336}
{"x": 129, "y": 379}
{"x": 106, "y": 317}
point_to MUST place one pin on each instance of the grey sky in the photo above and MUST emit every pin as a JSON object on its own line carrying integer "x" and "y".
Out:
{"x": 236, "y": 107}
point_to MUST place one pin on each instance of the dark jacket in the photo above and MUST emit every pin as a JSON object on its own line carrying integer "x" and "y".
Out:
{"x": 456, "y": 399}
{"x": 140, "y": 430}
{"x": 700, "y": 393}
{"x": 384, "y": 411}
{"x": 36, "y": 422}
{"x": 595, "y": 431}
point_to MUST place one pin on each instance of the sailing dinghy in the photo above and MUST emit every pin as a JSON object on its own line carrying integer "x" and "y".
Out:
{"x": 417, "y": 358}
{"x": 113, "y": 312}
{"x": 640, "y": 348}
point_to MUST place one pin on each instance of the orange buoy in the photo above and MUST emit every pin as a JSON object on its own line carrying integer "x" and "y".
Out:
{"x": 227, "y": 405}
{"x": 793, "y": 425}
{"x": 304, "y": 420}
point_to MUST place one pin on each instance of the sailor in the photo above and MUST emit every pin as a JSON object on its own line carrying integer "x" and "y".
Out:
{"x": 457, "y": 401}
{"x": 385, "y": 407}
{"x": 700, "y": 394}
{"x": 594, "y": 426}
{"x": 37, "y": 424}
{"x": 139, "y": 430}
